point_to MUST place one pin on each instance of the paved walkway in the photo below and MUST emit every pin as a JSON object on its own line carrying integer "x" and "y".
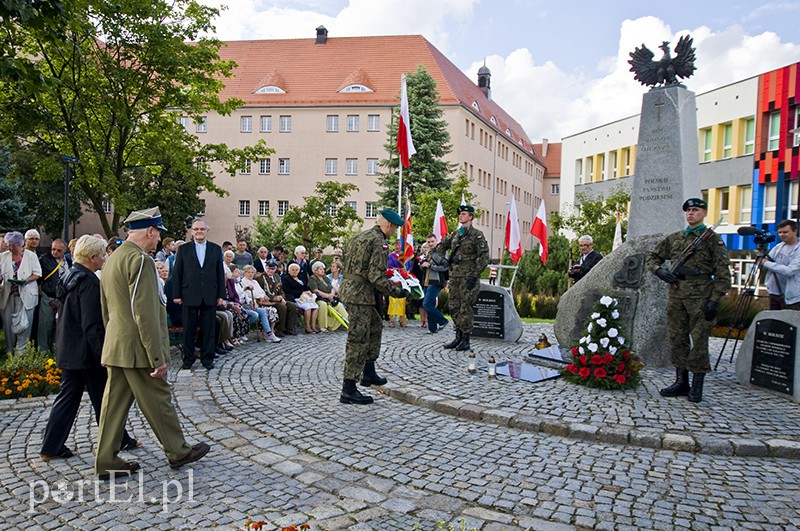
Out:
{"x": 438, "y": 445}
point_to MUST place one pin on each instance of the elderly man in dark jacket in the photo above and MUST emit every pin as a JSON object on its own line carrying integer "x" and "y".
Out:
{"x": 79, "y": 343}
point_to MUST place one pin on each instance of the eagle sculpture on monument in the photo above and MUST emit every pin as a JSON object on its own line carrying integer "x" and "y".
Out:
{"x": 666, "y": 70}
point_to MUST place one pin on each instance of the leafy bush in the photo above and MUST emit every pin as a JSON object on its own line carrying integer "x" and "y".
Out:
{"x": 544, "y": 307}
{"x": 28, "y": 374}
{"x": 727, "y": 309}
{"x": 524, "y": 302}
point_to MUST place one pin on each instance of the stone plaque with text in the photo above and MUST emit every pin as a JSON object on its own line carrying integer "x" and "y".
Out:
{"x": 774, "y": 356}
{"x": 489, "y": 315}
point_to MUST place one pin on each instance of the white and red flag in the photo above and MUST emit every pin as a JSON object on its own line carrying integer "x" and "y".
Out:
{"x": 408, "y": 237}
{"x": 539, "y": 229}
{"x": 405, "y": 145}
{"x": 439, "y": 222}
{"x": 513, "y": 242}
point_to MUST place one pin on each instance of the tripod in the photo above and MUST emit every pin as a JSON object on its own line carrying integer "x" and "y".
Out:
{"x": 743, "y": 305}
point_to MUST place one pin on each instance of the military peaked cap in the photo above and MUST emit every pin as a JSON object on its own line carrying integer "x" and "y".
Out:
{"x": 141, "y": 219}
{"x": 466, "y": 208}
{"x": 695, "y": 202}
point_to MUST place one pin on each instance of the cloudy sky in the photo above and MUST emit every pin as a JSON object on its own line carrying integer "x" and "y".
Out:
{"x": 558, "y": 67}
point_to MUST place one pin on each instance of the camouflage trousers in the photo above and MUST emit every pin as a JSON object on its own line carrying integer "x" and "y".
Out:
{"x": 688, "y": 333}
{"x": 462, "y": 303}
{"x": 363, "y": 339}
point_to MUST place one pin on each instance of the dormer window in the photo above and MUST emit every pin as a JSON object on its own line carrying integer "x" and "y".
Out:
{"x": 508, "y": 132}
{"x": 493, "y": 120}
{"x": 356, "y": 87}
{"x": 476, "y": 106}
{"x": 270, "y": 89}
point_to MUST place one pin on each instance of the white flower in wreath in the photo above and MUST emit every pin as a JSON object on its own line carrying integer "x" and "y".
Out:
{"x": 589, "y": 328}
{"x": 592, "y": 347}
{"x": 612, "y": 332}
{"x": 604, "y": 342}
{"x": 595, "y": 315}
{"x": 612, "y": 350}
{"x": 583, "y": 339}
{"x": 606, "y": 301}
{"x": 621, "y": 340}
{"x": 580, "y": 349}
{"x": 615, "y": 314}
{"x": 602, "y": 322}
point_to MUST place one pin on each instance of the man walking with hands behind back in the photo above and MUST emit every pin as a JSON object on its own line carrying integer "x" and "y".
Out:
{"x": 469, "y": 256}
{"x": 694, "y": 292}
{"x": 198, "y": 282}
{"x": 136, "y": 350}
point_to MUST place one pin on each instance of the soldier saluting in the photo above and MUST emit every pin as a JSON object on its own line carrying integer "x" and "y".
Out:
{"x": 696, "y": 288}
{"x": 364, "y": 267}
{"x": 468, "y": 257}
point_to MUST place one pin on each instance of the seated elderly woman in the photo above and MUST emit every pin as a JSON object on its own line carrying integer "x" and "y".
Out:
{"x": 228, "y": 257}
{"x": 241, "y": 318}
{"x": 255, "y": 299}
{"x": 297, "y": 291}
{"x": 327, "y": 299}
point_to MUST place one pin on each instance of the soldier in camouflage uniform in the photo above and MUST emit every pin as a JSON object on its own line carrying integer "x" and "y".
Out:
{"x": 694, "y": 294}
{"x": 468, "y": 256}
{"x": 364, "y": 268}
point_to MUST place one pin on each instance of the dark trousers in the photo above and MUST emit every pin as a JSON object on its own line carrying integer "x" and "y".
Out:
{"x": 204, "y": 317}
{"x": 67, "y": 402}
{"x": 776, "y": 302}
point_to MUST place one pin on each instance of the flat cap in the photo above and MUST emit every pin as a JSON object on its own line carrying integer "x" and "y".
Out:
{"x": 392, "y": 217}
{"x": 141, "y": 219}
{"x": 695, "y": 202}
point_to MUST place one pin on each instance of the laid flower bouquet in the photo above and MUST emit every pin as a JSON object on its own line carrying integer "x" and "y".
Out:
{"x": 601, "y": 358}
{"x": 406, "y": 280}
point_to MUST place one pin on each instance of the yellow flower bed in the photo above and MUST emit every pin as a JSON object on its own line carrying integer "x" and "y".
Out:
{"x": 29, "y": 374}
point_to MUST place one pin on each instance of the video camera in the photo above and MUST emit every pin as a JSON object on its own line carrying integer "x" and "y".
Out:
{"x": 761, "y": 238}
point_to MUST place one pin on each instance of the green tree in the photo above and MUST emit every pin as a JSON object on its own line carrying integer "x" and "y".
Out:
{"x": 425, "y": 208}
{"x": 115, "y": 86}
{"x": 16, "y": 16}
{"x": 596, "y": 217}
{"x": 269, "y": 232}
{"x": 427, "y": 171}
{"x": 542, "y": 279}
{"x": 14, "y": 212}
{"x": 325, "y": 218}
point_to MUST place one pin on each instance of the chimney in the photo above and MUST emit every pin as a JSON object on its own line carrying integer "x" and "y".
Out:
{"x": 484, "y": 81}
{"x": 545, "y": 142}
{"x": 322, "y": 35}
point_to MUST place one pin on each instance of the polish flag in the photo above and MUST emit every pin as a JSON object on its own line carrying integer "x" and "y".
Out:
{"x": 513, "y": 241}
{"x": 539, "y": 229}
{"x": 405, "y": 146}
{"x": 408, "y": 237}
{"x": 439, "y": 222}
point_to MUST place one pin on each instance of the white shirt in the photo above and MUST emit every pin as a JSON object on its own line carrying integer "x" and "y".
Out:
{"x": 200, "y": 249}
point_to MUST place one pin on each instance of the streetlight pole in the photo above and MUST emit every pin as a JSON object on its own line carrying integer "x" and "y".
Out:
{"x": 68, "y": 161}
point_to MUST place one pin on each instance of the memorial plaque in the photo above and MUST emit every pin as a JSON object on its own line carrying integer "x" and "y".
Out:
{"x": 551, "y": 353}
{"x": 489, "y": 316}
{"x": 525, "y": 371}
{"x": 773, "y": 356}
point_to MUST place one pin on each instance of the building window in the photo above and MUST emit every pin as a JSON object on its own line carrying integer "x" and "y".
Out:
{"x": 283, "y": 166}
{"x": 579, "y": 170}
{"x": 356, "y": 87}
{"x": 724, "y": 196}
{"x": 244, "y": 207}
{"x": 706, "y": 145}
{"x": 184, "y": 121}
{"x": 589, "y": 169}
{"x": 106, "y": 207}
{"x": 331, "y": 166}
{"x": 745, "y": 204}
{"x": 749, "y": 136}
{"x": 627, "y": 155}
{"x": 791, "y": 200}
{"x": 332, "y": 123}
{"x": 283, "y": 207}
{"x": 601, "y": 162}
{"x": 612, "y": 164}
{"x": 270, "y": 89}
{"x": 351, "y": 166}
{"x": 330, "y": 211}
{"x": 263, "y": 208}
{"x": 352, "y": 122}
{"x": 246, "y": 168}
{"x": 555, "y": 189}
{"x": 352, "y": 204}
{"x": 202, "y": 125}
{"x": 796, "y": 141}
{"x": 727, "y": 141}
{"x": 770, "y": 202}
{"x": 773, "y": 141}
{"x": 372, "y": 166}
{"x": 286, "y": 124}
{"x": 370, "y": 210}
{"x": 264, "y": 166}
{"x": 246, "y": 124}
{"x": 266, "y": 123}
{"x": 373, "y": 122}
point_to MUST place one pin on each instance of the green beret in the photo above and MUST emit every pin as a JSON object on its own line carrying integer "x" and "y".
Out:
{"x": 392, "y": 217}
{"x": 695, "y": 202}
{"x": 466, "y": 208}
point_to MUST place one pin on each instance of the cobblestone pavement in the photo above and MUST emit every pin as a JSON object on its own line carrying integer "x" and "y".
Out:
{"x": 438, "y": 445}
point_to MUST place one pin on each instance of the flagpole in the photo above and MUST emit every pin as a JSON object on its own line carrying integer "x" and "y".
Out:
{"x": 400, "y": 196}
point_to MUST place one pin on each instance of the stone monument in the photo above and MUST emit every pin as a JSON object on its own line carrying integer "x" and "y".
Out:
{"x": 665, "y": 175}
{"x": 495, "y": 315}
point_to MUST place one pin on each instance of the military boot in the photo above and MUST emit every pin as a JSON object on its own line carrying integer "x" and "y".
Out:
{"x": 464, "y": 344}
{"x": 370, "y": 377}
{"x": 681, "y": 385}
{"x": 456, "y": 341}
{"x": 696, "y": 392}
{"x": 351, "y": 395}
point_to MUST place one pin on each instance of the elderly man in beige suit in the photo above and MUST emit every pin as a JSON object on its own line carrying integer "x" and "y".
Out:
{"x": 136, "y": 350}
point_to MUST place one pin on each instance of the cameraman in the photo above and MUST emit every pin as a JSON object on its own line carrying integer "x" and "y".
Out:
{"x": 783, "y": 269}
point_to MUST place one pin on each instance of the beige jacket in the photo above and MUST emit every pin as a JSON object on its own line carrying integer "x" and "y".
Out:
{"x": 29, "y": 266}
